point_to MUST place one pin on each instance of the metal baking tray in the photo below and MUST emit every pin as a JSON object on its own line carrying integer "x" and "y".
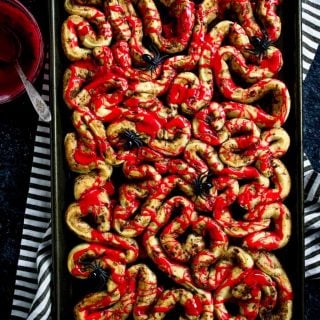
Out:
{"x": 66, "y": 292}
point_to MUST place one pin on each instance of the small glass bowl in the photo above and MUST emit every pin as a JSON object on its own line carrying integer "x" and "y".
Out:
{"x": 17, "y": 17}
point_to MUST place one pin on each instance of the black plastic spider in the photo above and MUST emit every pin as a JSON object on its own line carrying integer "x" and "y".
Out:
{"x": 201, "y": 185}
{"x": 132, "y": 139}
{"x": 152, "y": 61}
{"x": 260, "y": 45}
{"x": 98, "y": 276}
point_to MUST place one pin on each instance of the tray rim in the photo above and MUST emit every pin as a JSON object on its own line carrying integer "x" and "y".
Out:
{"x": 58, "y": 289}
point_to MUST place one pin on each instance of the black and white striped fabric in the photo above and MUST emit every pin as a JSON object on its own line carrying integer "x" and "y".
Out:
{"x": 31, "y": 298}
{"x": 32, "y": 289}
{"x": 310, "y": 32}
{"x": 312, "y": 220}
{"x": 311, "y": 41}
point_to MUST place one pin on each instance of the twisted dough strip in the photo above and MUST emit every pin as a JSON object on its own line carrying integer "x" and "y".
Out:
{"x": 234, "y": 263}
{"x": 154, "y": 192}
{"x": 254, "y": 113}
{"x": 229, "y": 188}
{"x": 179, "y": 273}
{"x": 130, "y": 197}
{"x": 69, "y": 38}
{"x": 74, "y": 219}
{"x": 274, "y": 144}
{"x": 208, "y": 65}
{"x": 79, "y": 156}
{"x": 274, "y": 239}
{"x": 252, "y": 290}
{"x": 139, "y": 292}
{"x": 125, "y": 59}
{"x": 184, "y": 12}
{"x": 137, "y": 48}
{"x": 89, "y": 12}
{"x": 75, "y": 77}
{"x": 82, "y": 158}
{"x": 172, "y": 139}
{"x": 238, "y": 228}
{"x": 223, "y": 214}
{"x": 255, "y": 293}
{"x": 225, "y": 292}
{"x": 202, "y": 157}
{"x": 91, "y": 131}
{"x": 92, "y": 192}
{"x": 269, "y": 264}
{"x": 229, "y": 58}
{"x": 187, "y": 219}
{"x": 77, "y": 25}
{"x": 141, "y": 206}
{"x": 267, "y": 13}
{"x": 84, "y": 257}
{"x": 206, "y": 274}
{"x": 167, "y": 137}
{"x": 184, "y": 92}
{"x": 208, "y": 124}
{"x": 117, "y": 13}
{"x": 255, "y": 193}
{"x": 278, "y": 141}
{"x": 249, "y": 136}
{"x": 141, "y": 164}
{"x": 176, "y": 167}
{"x": 195, "y": 307}
{"x": 159, "y": 86}
{"x": 96, "y": 95}
{"x": 245, "y": 15}
{"x": 172, "y": 64}
{"x": 280, "y": 97}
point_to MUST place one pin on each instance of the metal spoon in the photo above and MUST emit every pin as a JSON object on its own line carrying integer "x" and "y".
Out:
{"x": 11, "y": 55}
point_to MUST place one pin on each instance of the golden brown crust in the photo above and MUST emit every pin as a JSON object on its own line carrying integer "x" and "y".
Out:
{"x": 177, "y": 142}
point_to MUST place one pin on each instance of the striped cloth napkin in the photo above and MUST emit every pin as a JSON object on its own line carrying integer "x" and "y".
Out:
{"x": 31, "y": 298}
{"x": 33, "y": 280}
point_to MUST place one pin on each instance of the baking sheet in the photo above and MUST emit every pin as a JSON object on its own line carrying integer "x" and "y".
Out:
{"x": 66, "y": 290}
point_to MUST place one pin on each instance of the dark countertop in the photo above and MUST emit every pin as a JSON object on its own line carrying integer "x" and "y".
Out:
{"x": 18, "y": 123}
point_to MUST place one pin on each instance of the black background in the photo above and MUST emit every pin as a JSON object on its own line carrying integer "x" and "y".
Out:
{"x": 18, "y": 123}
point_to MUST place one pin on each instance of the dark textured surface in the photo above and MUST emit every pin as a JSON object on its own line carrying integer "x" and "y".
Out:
{"x": 16, "y": 144}
{"x": 311, "y": 95}
{"x": 17, "y": 128}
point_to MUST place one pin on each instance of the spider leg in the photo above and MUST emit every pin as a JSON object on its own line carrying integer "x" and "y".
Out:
{"x": 155, "y": 50}
{"x": 162, "y": 58}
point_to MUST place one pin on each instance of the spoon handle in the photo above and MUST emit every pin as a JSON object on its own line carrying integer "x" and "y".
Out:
{"x": 39, "y": 105}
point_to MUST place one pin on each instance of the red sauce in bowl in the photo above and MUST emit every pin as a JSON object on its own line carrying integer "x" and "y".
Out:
{"x": 14, "y": 15}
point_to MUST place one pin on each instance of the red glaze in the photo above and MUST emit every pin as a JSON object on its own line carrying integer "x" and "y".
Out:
{"x": 149, "y": 125}
{"x": 85, "y": 156}
{"x": 272, "y": 63}
{"x": 143, "y": 205}
{"x": 90, "y": 199}
{"x": 194, "y": 307}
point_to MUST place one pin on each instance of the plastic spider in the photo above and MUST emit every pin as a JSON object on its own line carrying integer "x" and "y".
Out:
{"x": 202, "y": 185}
{"x": 152, "y": 61}
{"x": 260, "y": 45}
{"x": 98, "y": 276}
{"x": 132, "y": 139}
